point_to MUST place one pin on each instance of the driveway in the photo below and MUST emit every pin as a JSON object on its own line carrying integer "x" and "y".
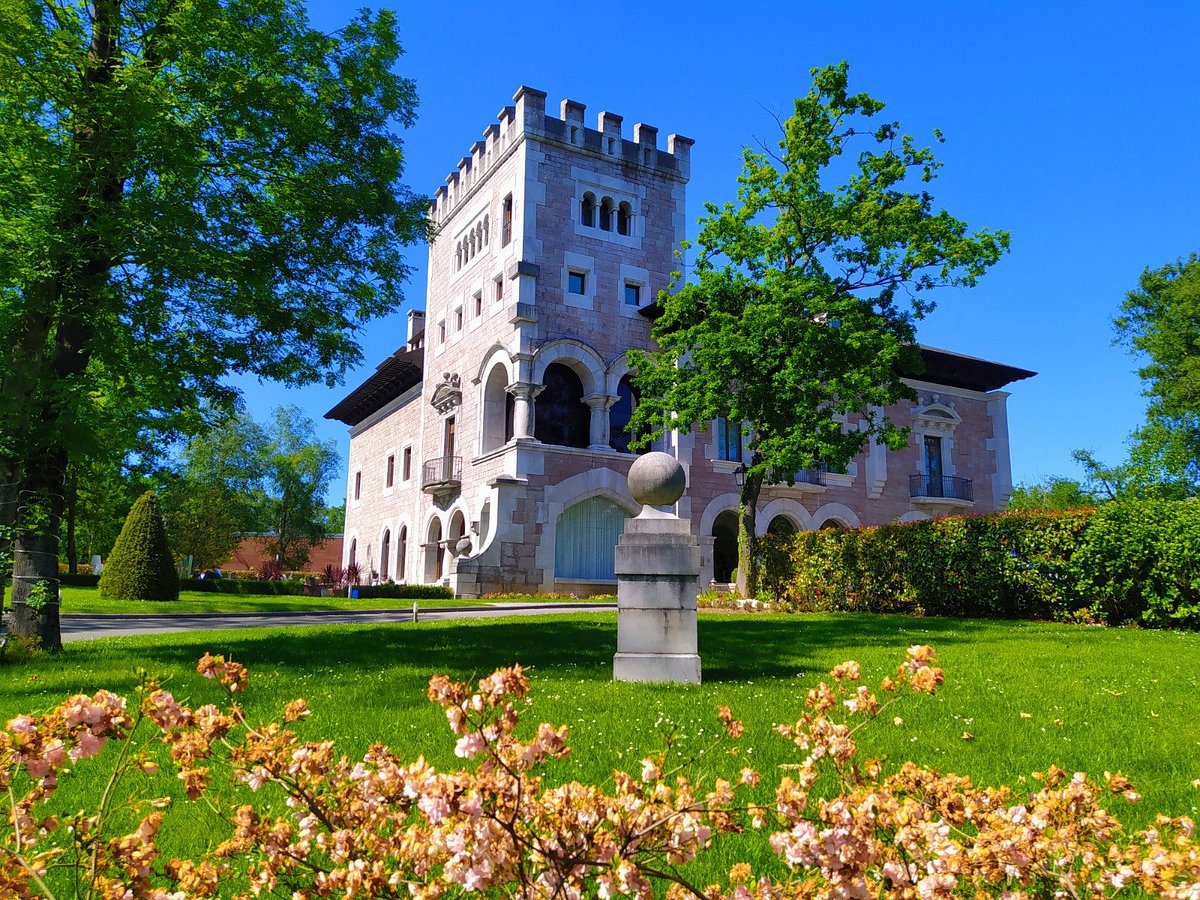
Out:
{"x": 87, "y": 627}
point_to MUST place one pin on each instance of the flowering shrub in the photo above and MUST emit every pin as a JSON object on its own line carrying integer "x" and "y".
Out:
{"x": 381, "y": 827}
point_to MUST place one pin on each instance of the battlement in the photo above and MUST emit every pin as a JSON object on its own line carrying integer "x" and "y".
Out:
{"x": 528, "y": 117}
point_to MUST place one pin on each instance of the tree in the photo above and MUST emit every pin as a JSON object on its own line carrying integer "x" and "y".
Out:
{"x": 299, "y": 469}
{"x": 141, "y": 566}
{"x": 1160, "y": 321}
{"x": 805, "y": 293}
{"x": 241, "y": 477}
{"x": 1055, "y": 492}
{"x": 189, "y": 190}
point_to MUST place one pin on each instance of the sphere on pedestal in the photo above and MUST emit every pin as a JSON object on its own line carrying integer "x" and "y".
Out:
{"x": 657, "y": 479}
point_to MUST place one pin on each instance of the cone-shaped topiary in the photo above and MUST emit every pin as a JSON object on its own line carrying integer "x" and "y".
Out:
{"x": 140, "y": 566}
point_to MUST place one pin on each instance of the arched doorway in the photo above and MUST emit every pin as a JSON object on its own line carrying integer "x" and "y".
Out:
{"x": 832, "y": 523}
{"x": 402, "y": 554}
{"x": 781, "y": 526}
{"x": 619, "y": 415}
{"x": 585, "y": 540}
{"x": 353, "y": 557}
{"x": 458, "y": 527}
{"x": 433, "y": 552}
{"x": 725, "y": 546}
{"x": 560, "y": 415}
{"x": 385, "y": 553}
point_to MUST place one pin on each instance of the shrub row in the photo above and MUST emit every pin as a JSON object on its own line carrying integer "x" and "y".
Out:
{"x": 404, "y": 591}
{"x": 237, "y": 586}
{"x": 1126, "y": 562}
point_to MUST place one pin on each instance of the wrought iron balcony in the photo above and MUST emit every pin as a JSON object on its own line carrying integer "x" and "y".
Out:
{"x": 804, "y": 476}
{"x": 441, "y": 476}
{"x": 948, "y": 487}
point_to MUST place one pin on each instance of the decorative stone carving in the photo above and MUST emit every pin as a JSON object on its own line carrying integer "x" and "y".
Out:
{"x": 447, "y": 395}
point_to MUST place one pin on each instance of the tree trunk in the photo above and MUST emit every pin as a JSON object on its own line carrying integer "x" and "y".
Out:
{"x": 747, "y": 572}
{"x": 35, "y": 598}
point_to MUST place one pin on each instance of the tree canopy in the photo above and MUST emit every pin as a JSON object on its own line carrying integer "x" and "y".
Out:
{"x": 190, "y": 190}
{"x": 802, "y": 300}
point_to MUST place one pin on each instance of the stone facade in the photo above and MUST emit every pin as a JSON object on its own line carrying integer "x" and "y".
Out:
{"x": 487, "y": 452}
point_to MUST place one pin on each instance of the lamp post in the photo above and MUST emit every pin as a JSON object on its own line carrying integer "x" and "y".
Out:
{"x": 739, "y": 475}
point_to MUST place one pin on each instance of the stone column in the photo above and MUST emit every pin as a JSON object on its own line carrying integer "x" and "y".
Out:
{"x": 598, "y": 432}
{"x": 657, "y": 561}
{"x": 523, "y": 393}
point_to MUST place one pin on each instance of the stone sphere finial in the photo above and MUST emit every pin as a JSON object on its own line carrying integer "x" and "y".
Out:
{"x": 656, "y": 479}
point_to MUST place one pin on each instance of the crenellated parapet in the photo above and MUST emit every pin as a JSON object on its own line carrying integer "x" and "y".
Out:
{"x": 527, "y": 117}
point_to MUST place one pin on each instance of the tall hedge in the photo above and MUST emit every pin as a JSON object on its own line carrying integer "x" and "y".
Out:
{"x": 141, "y": 566}
{"x": 1127, "y": 562}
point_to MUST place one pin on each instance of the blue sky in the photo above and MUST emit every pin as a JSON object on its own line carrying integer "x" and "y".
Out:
{"x": 1075, "y": 126}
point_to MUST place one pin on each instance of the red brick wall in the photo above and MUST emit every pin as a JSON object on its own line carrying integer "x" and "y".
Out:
{"x": 252, "y": 553}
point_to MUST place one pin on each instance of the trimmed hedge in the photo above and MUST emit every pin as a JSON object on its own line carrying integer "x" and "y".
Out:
{"x": 238, "y": 586}
{"x": 404, "y": 591}
{"x": 141, "y": 566}
{"x": 1128, "y": 561}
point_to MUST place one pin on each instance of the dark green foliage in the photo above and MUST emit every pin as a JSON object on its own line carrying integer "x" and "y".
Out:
{"x": 404, "y": 591}
{"x": 1130, "y": 561}
{"x": 80, "y": 579}
{"x": 140, "y": 566}
{"x": 1140, "y": 562}
{"x": 239, "y": 586}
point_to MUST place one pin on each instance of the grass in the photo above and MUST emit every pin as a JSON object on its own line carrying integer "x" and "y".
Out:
{"x": 87, "y": 600}
{"x": 1030, "y": 694}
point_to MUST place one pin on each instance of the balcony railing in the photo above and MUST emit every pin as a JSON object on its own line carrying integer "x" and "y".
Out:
{"x": 804, "y": 476}
{"x": 441, "y": 474}
{"x": 948, "y": 487}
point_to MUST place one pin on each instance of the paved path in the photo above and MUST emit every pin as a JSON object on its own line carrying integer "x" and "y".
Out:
{"x": 86, "y": 627}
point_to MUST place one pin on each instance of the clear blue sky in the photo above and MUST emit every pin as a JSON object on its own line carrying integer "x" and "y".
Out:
{"x": 1076, "y": 126}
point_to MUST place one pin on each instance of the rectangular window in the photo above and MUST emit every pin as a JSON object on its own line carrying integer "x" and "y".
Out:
{"x": 391, "y": 470}
{"x": 479, "y": 303}
{"x": 358, "y": 485}
{"x": 577, "y": 282}
{"x": 633, "y": 294}
{"x": 500, "y": 289}
{"x": 506, "y": 217}
{"x": 406, "y": 470}
{"x": 441, "y": 332}
{"x": 458, "y": 319}
{"x": 933, "y": 465}
{"x": 729, "y": 440}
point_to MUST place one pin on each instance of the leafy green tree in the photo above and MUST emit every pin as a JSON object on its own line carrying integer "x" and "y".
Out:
{"x": 1160, "y": 322}
{"x": 299, "y": 469}
{"x": 1055, "y": 492}
{"x": 805, "y": 293}
{"x": 189, "y": 190}
{"x": 141, "y": 566}
{"x": 242, "y": 477}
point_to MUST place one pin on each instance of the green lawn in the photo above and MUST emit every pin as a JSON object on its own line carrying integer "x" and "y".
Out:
{"x": 88, "y": 600}
{"x": 1093, "y": 699}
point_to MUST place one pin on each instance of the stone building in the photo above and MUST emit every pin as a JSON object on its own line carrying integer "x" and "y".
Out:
{"x": 489, "y": 452}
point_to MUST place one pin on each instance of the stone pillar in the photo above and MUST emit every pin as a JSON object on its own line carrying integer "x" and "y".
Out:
{"x": 523, "y": 393}
{"x": 598, "y": 432}
{"x": 657, "y": 561}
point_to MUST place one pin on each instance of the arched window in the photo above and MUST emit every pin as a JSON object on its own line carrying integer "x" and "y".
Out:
{"x": 497, "y": 410}
{"x": 619, "y": 415}
{"x": 585, "y": 540}
{"x": 560, "y": 415}
{"x": 833, "y": 523}
{"x": 587, "y": 210}
{"x": 606, "y": 211}
{"x": 624, "y": 217}
{"x": 725, "y": 546}
{"x": 781, "y": 526}
{"x": 485, "y": 230}
{"x": 402, "y": 554}
{"x": 353, "y": 551}
{"x": 458, "y": 261}
{"x": 385, "y": 552}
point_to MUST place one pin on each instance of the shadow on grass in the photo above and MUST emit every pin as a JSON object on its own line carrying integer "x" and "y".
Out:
{"x": 733, "y": 648}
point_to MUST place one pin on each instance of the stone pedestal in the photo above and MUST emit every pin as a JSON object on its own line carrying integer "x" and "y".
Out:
{"x": 657, "y": 562}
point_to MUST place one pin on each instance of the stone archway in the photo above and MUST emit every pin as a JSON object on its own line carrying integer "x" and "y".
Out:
{"x": 725, "y": 546}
